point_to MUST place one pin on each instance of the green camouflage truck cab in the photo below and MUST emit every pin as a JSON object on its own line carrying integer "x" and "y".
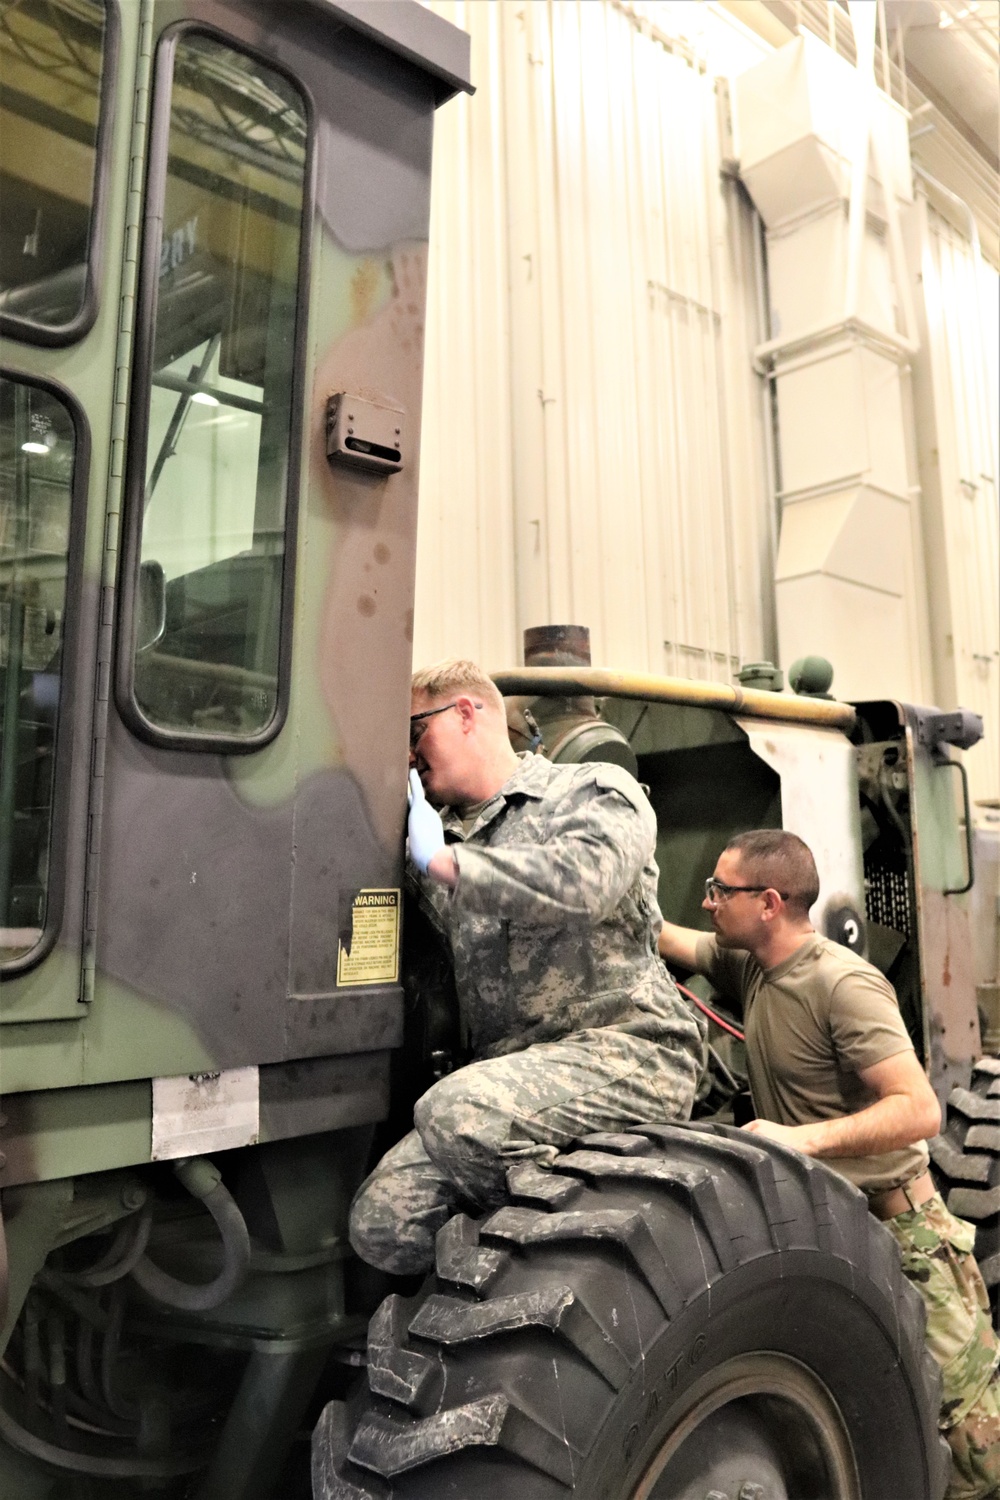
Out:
{"x": 212, "y": 289}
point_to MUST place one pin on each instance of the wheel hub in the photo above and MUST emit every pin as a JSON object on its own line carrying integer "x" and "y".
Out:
{"x": 760, "y": 1427}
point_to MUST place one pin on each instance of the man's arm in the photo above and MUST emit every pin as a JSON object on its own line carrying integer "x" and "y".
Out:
{"x": 906, "y": 1110}
{"x": 679, "y": 945}
{"x": 443, "y": 867}
{"x": 598, "y": 838}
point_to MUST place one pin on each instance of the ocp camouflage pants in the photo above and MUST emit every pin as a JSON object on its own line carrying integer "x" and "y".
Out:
{"x": 484, "y": 1118}
{"x": 938, "y": 1260}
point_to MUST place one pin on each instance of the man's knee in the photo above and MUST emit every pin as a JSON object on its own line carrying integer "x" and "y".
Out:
{"x": 398, "y": 1211}
{"x": 458, "y": 1115}
{"x": 374, "y": 1229}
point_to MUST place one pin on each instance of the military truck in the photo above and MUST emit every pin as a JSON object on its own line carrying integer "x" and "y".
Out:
{"x": 212, "y": 270}
{"x": 671, "y": 1312}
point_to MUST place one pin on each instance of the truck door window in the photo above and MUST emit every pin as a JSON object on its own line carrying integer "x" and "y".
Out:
{"x": 214, "y": 401}
{"x": 56, "y": 65}
{"x": 38, "y": 452}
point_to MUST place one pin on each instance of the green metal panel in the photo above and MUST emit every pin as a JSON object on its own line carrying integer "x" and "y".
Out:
{"x": 87, "y": 369}
{"x": 160, "y": 844}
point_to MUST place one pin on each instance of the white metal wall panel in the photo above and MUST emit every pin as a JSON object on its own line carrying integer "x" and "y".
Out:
{"x": 465, "y": 548}
{"x": 957, "y": 386}
{"x": 593, "y": 434}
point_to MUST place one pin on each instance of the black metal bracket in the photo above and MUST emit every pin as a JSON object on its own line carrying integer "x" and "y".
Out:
{"x": 961, "y": 728}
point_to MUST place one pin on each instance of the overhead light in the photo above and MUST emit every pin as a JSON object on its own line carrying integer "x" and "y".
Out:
{"x": 944, "y": 20}
{"x": 204, "y": 399}
{"x": 34, "y": 447}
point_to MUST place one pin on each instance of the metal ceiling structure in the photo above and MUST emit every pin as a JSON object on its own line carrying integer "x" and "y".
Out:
{"x": 939, "y": 59}
{"x": 952, "y": 55}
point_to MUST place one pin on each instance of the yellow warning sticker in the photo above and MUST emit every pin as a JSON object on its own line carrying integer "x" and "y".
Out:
{"x": 373, "y": 955}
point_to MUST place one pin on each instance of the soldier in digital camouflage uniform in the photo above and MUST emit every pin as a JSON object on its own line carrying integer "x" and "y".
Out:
{"x": 834, "y": 1074}
{"x": 543, "y": 882}
{"x": 937, "y": 1258}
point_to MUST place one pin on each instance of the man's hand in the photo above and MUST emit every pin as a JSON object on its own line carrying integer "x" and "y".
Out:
{"x": 424, "y": 827}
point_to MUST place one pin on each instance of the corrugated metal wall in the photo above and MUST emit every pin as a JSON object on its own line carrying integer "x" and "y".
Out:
{"x": 958, "y": 400}
{"x": 593, "y": 434}
{"x": 594, "y": 448}
{"x": 465, "y": 555}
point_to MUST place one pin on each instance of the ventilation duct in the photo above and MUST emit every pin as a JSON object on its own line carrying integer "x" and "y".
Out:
{"x": 825, "y": 158}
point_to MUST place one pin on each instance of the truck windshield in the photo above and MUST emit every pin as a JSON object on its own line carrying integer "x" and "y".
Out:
{"x": 52, "y": 60}
{"x": 37, "y": 457}
{"x": 208, "y": 600}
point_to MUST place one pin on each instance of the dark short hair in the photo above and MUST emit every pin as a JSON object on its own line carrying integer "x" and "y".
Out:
{"x": 780, "y": 861}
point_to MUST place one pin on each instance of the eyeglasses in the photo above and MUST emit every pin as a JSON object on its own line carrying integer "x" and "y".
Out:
{"x": 718, "y": 891}
{"x": 418, "y": 722}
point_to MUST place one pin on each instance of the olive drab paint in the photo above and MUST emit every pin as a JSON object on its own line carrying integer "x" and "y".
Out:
{"x": 199, "y": 923}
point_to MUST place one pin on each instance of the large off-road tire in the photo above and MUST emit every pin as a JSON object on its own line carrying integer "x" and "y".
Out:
{"x": 670, "y": 1315}
{"x": 965, "y": 1160}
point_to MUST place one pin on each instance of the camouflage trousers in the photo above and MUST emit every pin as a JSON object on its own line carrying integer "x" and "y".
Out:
{"x": 938, "y": 1261}
{"x": 486, "y": 1117}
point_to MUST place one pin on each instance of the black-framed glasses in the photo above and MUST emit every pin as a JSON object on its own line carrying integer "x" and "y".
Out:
{"x": 718, "y": 891}
{"x": 418, "y": 722}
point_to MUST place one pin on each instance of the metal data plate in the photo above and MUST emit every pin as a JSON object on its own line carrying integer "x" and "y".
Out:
{"x": 205, "y": 1112}
{"x": 365, "y": 434}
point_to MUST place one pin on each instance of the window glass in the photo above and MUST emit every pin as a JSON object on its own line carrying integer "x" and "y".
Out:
{"x": 37, "y": 445}
{"x": 208, "y": 601}
{"x": 51, "y": 59}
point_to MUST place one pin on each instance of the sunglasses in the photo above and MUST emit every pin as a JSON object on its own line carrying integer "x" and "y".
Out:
{"x": 418, "y": 722}
{"x": 718, "y": 891}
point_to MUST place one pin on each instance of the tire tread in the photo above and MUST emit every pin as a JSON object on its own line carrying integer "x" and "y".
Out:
{"x": 443, "y": 1320}
{"x": 389, "y": 1447}
{"x": 623, "y": 1227}
{"x": 693, "y": 1187}
{"x": 975, "y": 1106}
{"x": 461, "y": 1260}
{"x": 402, "y": 1375}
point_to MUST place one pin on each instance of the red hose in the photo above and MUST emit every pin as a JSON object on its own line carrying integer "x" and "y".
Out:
{"x": 690, "y": 995}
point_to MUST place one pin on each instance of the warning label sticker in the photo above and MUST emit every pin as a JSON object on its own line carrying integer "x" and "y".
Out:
{"x": 372, "y": 957}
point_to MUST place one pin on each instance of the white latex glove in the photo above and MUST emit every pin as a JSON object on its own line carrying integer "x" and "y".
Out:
{"x": 424, "y": 827}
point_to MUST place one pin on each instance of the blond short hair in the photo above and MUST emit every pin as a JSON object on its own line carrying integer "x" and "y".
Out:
{"x": 456, "y": 675}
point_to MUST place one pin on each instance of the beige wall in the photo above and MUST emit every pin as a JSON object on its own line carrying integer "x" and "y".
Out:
{"x": 957, "y": 404}
{"x": 595, "y": 449}
{"x": 593, "y": 445}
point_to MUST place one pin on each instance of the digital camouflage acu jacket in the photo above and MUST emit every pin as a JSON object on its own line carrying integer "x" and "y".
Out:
{"x": 554, "y": 921}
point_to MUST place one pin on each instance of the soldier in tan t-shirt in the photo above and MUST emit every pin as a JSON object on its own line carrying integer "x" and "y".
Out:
{"x": 814, "y": 1024}
{"x": 833, "y": 1074}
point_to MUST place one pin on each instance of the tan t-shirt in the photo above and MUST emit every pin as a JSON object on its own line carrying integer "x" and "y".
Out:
{"x": 811, "y": 1024}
